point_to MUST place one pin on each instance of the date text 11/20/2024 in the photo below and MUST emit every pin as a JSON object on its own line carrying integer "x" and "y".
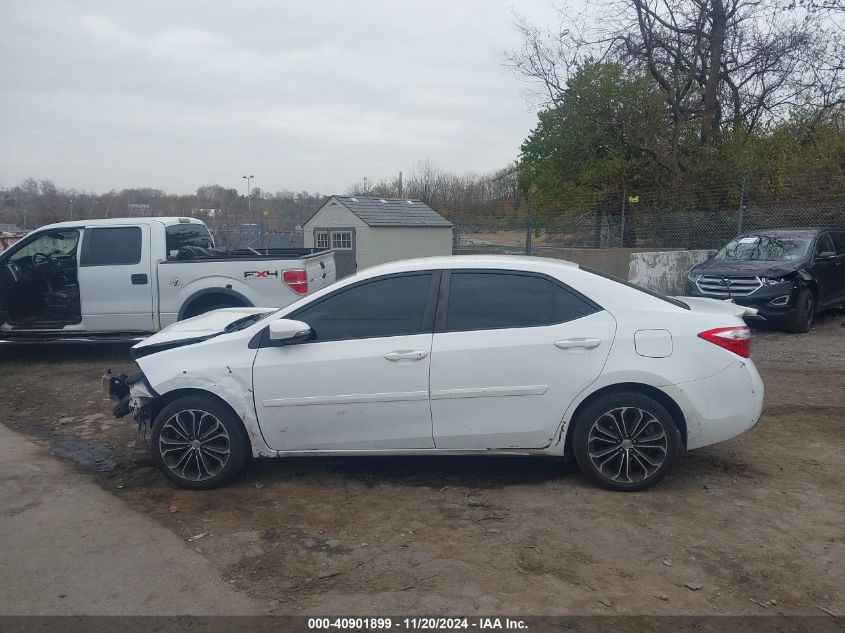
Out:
{"x": 416, "y": 624}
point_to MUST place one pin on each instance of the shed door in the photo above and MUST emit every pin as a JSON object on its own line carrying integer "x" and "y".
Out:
{"x": 342, "y": 242}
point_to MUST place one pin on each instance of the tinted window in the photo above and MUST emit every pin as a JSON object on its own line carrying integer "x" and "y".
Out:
{"x": 179, "y": 235}
{"x": 824, "y": 244}
{"x": 112, "y": 246}
{"x": 839, "y": 242}
{"x": 482, "y": 301}
{"x": 387, "y": 307}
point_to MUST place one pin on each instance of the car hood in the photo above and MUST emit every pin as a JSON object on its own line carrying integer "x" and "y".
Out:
{"x": 734, "y": 268}
{"x": 195, "y": 329}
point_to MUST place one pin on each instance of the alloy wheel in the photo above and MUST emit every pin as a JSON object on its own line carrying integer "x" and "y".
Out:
{"x": 194, "y": 445}
{"x": 627, "y": 444}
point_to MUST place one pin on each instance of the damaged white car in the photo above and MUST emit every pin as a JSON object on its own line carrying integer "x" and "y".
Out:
{"x": 444, "y": 356}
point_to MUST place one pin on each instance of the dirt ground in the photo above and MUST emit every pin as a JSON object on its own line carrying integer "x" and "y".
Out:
{"x": 751, "y": 526}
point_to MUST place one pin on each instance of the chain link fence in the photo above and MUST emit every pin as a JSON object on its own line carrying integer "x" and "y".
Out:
{"x": 246, "y": 237}
{"x": 647, "y": 219}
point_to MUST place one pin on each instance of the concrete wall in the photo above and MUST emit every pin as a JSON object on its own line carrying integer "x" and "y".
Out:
{"x": 664, "y": 271}
{"x": 614, "y": 261}
{"x": 394, "y": 243}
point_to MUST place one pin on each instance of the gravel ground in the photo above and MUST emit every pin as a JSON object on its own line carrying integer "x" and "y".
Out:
{"x": 751, "y": 526}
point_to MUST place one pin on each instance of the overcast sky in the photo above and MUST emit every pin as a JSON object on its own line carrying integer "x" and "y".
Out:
{"x": 303, "y": 94}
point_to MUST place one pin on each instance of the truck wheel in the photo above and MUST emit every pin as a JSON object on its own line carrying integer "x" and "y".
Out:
{"x": 201, "y": 307}
{"x": 198, "y": 443}
{"x": 625, "y": 441}
{"x": 802, "y": 316}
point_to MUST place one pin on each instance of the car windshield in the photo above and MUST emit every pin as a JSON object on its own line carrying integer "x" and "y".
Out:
{"x": 770, "y": 248}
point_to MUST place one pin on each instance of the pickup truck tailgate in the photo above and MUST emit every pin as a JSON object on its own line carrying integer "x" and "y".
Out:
{"x": 320, "y": 269}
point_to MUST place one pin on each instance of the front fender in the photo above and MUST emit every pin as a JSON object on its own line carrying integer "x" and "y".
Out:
{"x": 201, "y": 368}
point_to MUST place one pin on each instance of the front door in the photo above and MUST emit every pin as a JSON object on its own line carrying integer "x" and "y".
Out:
{"x": 361, "y": 382}
{"x": 115, "y": 279}
{"x": 827, "y": 271}
{"x": 511, "y": 352}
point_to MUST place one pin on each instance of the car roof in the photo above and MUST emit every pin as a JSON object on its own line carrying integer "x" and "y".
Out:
{"x": 75, "y": 224}
{"x": 501, "y": 262}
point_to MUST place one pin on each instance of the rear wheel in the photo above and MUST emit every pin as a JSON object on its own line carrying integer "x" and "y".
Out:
{"x": 198, "y": 443}
{"x": 805, "y": 308}
{"x": 625, "y": 441}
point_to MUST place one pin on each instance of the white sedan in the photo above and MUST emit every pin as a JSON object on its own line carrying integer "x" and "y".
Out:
{"x": 446, "y": 356}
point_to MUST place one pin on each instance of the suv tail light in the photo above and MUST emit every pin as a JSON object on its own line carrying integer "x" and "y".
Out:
{"x": 296, "y": 280}
{"x": 734, "y": 339}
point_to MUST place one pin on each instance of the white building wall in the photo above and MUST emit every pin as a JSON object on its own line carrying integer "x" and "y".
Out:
{"x": 388, "y": 244}
{"x": 337, "y": 217}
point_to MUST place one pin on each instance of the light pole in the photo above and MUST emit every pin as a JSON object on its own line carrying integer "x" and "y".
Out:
{"x": 248, "y": 197}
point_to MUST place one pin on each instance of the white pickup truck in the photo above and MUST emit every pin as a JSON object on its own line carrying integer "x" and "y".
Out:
{"x": 132, "y": 276}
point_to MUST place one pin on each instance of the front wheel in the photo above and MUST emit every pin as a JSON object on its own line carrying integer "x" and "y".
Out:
{"x": 625, "y": 441}
{"x": 198, "y": 443}
{"x": 805, "y": 308}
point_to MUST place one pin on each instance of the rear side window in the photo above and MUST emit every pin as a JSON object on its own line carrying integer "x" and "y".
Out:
{"x": 179, "y": 235}
{"x": 485, "y": 301}
{"x": 111, "y": 246}
{"x": 393, "y": 306}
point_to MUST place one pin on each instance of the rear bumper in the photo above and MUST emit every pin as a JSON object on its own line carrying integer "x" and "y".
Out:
{"x": 775, "y": 302}
{"x": 722, "y": 406}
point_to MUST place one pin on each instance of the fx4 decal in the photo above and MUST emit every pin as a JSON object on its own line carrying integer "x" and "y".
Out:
{"x": 261, "y": 274}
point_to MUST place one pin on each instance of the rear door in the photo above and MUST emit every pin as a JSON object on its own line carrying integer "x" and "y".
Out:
{"x": 511, "y": 351}
{"x": 114, "y": 279}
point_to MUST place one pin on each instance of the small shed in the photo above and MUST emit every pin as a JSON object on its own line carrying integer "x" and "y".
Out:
{"x": 366, "y": 231}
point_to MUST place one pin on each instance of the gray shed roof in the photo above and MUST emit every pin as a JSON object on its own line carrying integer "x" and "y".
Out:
{"x": 393, "y": 211}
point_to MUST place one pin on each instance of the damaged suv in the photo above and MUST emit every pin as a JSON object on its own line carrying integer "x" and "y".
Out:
{"x": 788, "y": 275}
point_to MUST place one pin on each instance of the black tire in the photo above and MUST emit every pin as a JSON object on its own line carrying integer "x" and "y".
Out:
{"x": 211, "y": 463}
{"x": 805, "y": 308}
{"x": 599, "y": 455}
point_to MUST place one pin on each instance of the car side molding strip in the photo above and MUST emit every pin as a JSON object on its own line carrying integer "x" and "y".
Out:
{"x": 489, "y": 392}
{"x": 354, "y": 398}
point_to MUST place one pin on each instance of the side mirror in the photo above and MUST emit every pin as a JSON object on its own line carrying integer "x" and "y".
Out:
{"x": 825, "y": 256}
{"x": 285, "y": 331}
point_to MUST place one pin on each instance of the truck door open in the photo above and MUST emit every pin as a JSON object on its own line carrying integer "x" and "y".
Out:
{"x": 115, "y": 279}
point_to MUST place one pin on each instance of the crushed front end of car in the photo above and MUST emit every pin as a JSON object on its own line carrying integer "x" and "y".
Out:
{"x": 133, "y": 394}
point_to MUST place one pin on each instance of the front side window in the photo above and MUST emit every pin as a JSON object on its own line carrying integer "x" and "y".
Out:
{"x": 54, "y": 243}
{"x": 824, "y": 244}
{"x": 483, "y": 301}
{"x": 839, "y": 242}
{"x": 321, "y": 239}
{"x": 111, "y": 246}
{"x": 393, "y": 306}
{"x": 342, "y": 240}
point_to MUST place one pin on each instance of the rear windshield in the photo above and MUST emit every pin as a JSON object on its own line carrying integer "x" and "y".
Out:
{"x": 769, "y": 248}
{"x": 651, "y": 293}
{"x": 179, "y": 235}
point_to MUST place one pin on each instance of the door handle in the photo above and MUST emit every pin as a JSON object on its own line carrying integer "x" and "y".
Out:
{"x": 406, "y": 355}
{"x": 578, "y": 343}
{"x": 139, "y": 280}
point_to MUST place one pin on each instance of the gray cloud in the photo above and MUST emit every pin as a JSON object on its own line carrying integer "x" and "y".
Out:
{"x": 305, "y": 95}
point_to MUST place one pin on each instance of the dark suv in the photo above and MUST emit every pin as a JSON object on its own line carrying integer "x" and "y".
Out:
{"x": 787, "y": 274}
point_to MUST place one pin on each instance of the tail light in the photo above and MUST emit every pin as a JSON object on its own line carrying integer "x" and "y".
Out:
{"x": 734, "y": 339}
{"x": 296, "y": 280}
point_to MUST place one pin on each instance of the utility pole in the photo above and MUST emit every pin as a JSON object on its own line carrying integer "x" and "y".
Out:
{"x": 70, "y": 209}
{"x": 400, "y": 184}
{"x": 741, "y": 211}
{"x": 249, "y": 199}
